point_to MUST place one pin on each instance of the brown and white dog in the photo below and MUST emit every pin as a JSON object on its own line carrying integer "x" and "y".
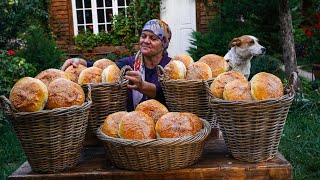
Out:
{"x": 242, "y": 51}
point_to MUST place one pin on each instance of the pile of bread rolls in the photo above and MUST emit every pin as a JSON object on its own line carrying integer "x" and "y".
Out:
{"x": 233, "y": 85}
{"x": 183, "y": 67}
{"x": 151, "y": 120}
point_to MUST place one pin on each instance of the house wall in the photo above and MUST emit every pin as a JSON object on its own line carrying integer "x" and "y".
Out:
{"x": 61, "y": 20}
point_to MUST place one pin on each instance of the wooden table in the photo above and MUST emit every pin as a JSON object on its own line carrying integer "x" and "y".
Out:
{"x": 216, "y": 163}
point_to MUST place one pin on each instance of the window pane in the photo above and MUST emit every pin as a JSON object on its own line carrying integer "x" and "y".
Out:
{"x": 108, "y": 27}
{"x": 108, "y": 3}
{"x": 80, "y": 29}
{"x": 79, "y": 4}
{"x": 88, "y": 16}
{"x": 100, "y": 15}
{"x": 128, "y": 2}
{"x": 100, "y": 3}
{"x": 101, "y": 28}
{"x": 108, "y": 15}
{"x": 87, "y": 3}
{"x": 120, "y": 2}
{"x": 80, "y": 17}
{"x": 120, "y": 10}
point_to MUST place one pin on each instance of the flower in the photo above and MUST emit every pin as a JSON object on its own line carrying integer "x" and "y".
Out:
{"x": 11, "y": 52}
{"x": 308, "y": 32}
{"x": 91, "y": 27}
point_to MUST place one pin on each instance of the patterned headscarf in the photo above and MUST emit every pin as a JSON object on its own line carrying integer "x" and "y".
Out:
{"x": 160, "y": 29}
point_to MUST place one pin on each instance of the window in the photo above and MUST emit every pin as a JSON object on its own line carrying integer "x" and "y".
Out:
{"x": 95, "y": 15}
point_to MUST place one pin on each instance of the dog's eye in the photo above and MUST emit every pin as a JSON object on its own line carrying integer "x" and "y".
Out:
{"x": 252, "y": 41}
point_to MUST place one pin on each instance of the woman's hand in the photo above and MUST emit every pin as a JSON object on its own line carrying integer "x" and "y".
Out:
{"x": 136, "y": 83}
{"x": 73, "y": 61}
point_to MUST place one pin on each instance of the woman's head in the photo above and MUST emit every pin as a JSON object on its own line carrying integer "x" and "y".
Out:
{"x": 155, "y": 37}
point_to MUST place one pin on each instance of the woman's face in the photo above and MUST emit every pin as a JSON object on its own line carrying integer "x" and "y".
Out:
{"x": 150, "y": 44}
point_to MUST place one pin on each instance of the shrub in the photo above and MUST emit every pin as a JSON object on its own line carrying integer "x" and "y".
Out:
{"x": 13, "y": 68}
{"x": 264, "y": 64}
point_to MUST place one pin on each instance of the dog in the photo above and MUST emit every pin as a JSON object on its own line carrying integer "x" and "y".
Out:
{"x": 242, "y": 51}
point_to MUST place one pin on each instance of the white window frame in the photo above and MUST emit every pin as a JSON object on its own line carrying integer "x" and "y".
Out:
{"x": 94, "y": 9}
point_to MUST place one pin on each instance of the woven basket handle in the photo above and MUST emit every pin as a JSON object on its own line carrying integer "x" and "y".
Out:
{"x": 6, "y": 106}
{"x": 160, "y": 72}
{"x": 292, "y": 84}
{"x": 208, "y": 90}
{"x": 123, "y": 71}
{"x": 89, "y": 92}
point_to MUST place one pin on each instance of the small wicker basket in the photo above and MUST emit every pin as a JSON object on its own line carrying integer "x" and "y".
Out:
{"x": 156, "y": 154}
{"x": 187, "y": 96}
{"x": 107, "y": 98}
{"x": 51, "y": 139}
{"x": 252, "y": 129}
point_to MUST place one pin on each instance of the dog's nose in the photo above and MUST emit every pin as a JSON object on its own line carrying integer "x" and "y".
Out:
{"x": 263, "y": 50}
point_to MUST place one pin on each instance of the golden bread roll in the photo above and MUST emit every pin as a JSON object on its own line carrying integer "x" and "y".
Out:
{"x": 218, "y": 84}
{"x": 103, "y": 63}
{"x": 49, "y": 75}
{"x": 175, "y": 70}
{"x": 29, "y": 95}
{"x": 110, "y": 125}
{"x": 90, "y": 75}
{"x": 111, "y": 74}
{"x": 195, "y": 121}
{"x": 239, "y": 89}
{"x": 153, "y": 108}
{"x": 199, "y": 71}
{"x": 74, "y": 72}
{"x": 184, "y": 58}
{"x": 265, "y": 85}
{"x": 64, "y": 93}
{"x": 216, "y": 63}
{"x": 175, "y": 125}
{"x": 137, "y": 125}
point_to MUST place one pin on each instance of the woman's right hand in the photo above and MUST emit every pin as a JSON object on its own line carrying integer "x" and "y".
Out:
{"x": 73, "y": 61}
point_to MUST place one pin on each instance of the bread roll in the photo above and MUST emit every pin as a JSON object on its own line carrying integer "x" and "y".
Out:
{"x": 218, "y": 84}
{"x": 103, "y": 63}
{"x": 29, "y": 95}
{"x": 175, "y": 70}
{"x": 239, "y": 89}
{"x": 265, "y": 85}
{"x": 111, "y": 74}
{"x": 49, "y": 75}
{"x": 175, "y": 125}
{"x": 198, "y": 71}
{"x": 195, "y": 121}
{"x": 136, "y": 125}
{"x": 90, "y": 75}
{"x": 216, "y": 63}
{"x": 110, "y": 125}
{"x": 153, "y": 108}
{"x": 184, "y": 58}
{"x": 64, "y": 93}
{"x": 74, "y": 72}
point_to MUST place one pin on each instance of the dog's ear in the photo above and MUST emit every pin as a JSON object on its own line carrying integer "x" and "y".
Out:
{"x": 235, "y": 42}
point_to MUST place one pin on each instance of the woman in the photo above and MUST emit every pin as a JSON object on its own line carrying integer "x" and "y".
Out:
{"x": 144, "y": 84}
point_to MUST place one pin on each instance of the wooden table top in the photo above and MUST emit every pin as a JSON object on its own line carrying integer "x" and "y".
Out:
{"x": 216, "y": 163}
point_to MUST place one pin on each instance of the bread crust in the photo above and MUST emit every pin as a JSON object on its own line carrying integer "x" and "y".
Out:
{"x": 216, "y": 63}
{"x": 198, "y": 71}
{"x": 90, "y": 75}
{"x": 103, "y": 63}
{"x": 218, "y": 84}
{"x": 29, "y": 95}
{"x": 64, "y": 93}
{"x": 74, "y": 72}
{"x": 265, "y": 85}
{"x": 184, "y": 58}
{"x": 153, "y": 108}
{"x": 175, "y": 70}
{"x": 48, "y": 75}
{"x": 111, "y": 74}
{"x": 239, "y": 89}
{"x": 110, "y": 125}
{"x": 137, "y": 125}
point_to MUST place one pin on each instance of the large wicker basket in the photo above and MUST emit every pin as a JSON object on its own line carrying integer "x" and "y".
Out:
{"x": 51, "y": 139}
{"x": 107, "y": 98}
{"x": 252, "y": 129}
{"x": 187, "y": 96}
{"x": 157, "y": 154}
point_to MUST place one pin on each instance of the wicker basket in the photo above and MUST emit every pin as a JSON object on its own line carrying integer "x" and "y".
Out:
{"x": 51, "y": 139}
{"x": 252, "y": 129}
{"x": 157, "y": 154}
{"x": 187, "y": 96}
{"x": 107, "y": 98}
